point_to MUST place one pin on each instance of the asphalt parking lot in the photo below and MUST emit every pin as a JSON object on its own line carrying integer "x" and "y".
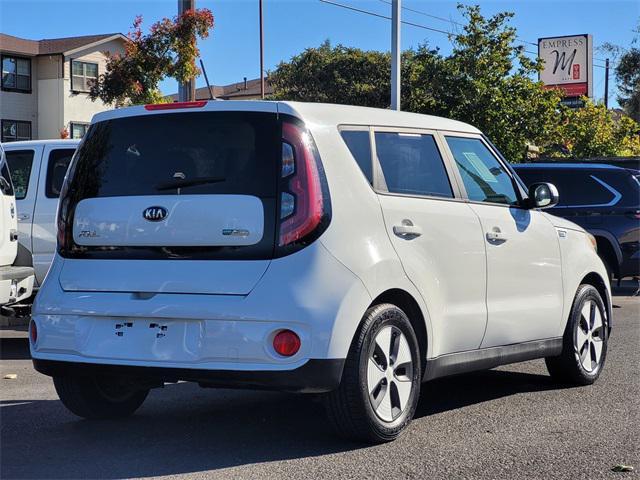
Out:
{"x": 511, "y": 422}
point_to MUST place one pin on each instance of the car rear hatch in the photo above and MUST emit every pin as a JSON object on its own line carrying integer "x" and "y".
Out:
{"x": 172, "y": 201}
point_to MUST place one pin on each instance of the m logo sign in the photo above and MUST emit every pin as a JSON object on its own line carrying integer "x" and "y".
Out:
{"x": 567, "y": 64}
{"x": 155, "y": 214}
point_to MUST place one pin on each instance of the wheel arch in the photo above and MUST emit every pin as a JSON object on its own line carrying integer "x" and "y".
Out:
{"x": 407, "y": 303}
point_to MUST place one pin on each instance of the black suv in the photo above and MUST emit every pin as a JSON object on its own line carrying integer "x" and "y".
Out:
{"x": 602, "y": 199}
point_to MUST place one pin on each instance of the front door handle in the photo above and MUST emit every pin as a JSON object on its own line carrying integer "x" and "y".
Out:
{"x": 496, "y": 235}
{"x": 407, "y": 229}
{"x": 24, "y": 216}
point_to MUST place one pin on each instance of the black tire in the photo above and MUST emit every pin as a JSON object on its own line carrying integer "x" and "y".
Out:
{"x": 568, "y": 367}
{"x": 98, "y": 398}
{"x": 349, "y": 407}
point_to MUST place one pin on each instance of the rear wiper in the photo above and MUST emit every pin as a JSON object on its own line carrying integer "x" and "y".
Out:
{"x": 187, "y": 182}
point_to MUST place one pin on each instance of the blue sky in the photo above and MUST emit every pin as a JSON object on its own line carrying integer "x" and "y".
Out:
{"x": 231, "y": 52}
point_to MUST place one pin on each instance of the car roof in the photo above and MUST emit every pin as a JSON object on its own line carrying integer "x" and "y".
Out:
{"x": 33, "y": 143}
{"x": 568, "y": 166}
{"x": 317, "y": 114}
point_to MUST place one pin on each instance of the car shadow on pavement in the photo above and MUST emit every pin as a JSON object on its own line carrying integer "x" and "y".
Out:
{"x": 14, "y": 349}
{"x": 185, "y": 429}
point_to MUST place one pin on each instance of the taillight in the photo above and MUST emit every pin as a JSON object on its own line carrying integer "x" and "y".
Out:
{"x": 304, "y": 196}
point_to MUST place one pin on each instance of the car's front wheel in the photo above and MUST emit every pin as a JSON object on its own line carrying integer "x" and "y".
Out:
{"x": 380, "y": 386}
{"x": 99, "y": 397}
{"x": 585, "y": 340}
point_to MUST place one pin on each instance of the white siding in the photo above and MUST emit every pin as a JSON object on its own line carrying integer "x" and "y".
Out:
{"x": 22, "y": 106}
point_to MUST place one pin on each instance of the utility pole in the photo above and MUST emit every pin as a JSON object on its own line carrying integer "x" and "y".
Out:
{"x": 187, "y": 90}
{"x": 606, "y": 83}
{"x": 261, "y": 54}
{"x": 395, "y": 54}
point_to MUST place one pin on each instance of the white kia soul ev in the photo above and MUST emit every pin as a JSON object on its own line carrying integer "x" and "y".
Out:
{"x": 347, "y": 251}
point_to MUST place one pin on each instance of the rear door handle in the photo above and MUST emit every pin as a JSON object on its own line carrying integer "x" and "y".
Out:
{"x": 496, "y": 235}
{"x": 407, "y": 230}
{"x": 24, "y": 216}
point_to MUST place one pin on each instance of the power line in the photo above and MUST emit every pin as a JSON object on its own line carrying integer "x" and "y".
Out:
{"x": 417, "y": 25}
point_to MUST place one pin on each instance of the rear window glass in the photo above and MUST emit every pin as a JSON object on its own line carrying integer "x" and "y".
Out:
{"x": 412, "y": 165}
{"x": 20, "y": 164}
{"x": 586, "y": 188}
{"x": 57, "y": 168}
{"x": 180, "y": 153}
{"x": 360, "y": 147}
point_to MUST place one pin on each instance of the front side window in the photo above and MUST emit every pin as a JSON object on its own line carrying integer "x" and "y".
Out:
{"x": 20, "y": 164}
{"x": 360, "y": 147}
{"x": 56, "y": 170}
{"x": 484, "y": 177}
{"x": 14, "y": 130}
{"x": 78, "y": 129}
{"x": 412, "y": 165}
{"x": 16, "y": 74}
{"x": 83, "y": 75}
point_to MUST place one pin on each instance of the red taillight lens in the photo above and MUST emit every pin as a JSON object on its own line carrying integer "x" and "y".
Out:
{"x": 302, "y": 205}
{"x": 175, "y": 105}
{"x": 286, "y": 343}
{"x": 33, "y": 332}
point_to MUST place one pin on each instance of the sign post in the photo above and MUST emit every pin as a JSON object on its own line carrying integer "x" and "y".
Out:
{"x": 568, "y": 65}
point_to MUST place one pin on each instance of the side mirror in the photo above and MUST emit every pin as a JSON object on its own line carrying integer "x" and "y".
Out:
{"x": 5, "y": 186}
{"x": 543, "y": 195}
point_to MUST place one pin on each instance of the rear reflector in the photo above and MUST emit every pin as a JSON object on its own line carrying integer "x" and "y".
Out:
{"x": 286, "y": 343}
{"x": 33, "y": 332}
{"x": 175, "y": 105}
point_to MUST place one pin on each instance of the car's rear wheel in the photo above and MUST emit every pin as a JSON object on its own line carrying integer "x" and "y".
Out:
{"x": 99, "y": 397}
{"x": 380, "y": 386}
{"x": 585, "y": 340}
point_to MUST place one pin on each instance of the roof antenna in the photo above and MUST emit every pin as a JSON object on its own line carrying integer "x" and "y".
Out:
{"x": 206, "y": 79}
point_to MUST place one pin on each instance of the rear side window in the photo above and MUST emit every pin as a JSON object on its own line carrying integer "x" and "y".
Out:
{"x": 484, "y": 177}
{"x": 412, "y": 165}
{"x": 360, "y": 147}
{"x": 57, "y": 168}
{"x": 180, "y": 153}
{"x": 20, "y": 164}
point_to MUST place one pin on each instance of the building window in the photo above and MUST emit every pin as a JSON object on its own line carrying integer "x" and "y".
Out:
{"x": 78, "y": 129}
{"x": 14, "y": 130}
{"x": 83, "y": 75}
{"x": 16, "y": 74}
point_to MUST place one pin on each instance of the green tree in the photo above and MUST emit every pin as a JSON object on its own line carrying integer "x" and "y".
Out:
{"x": 628, "y": 78}
{"x": 592, "y": 131}
{"x": 168, "y": 50}
{"x": 334, "y": 75}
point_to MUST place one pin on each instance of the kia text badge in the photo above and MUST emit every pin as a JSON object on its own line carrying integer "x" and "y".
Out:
{"x": 155, "y": 214}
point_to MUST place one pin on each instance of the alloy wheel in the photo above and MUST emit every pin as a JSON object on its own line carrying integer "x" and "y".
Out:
{"x": 389, "y": 373}
{"x": 590, "y": 336}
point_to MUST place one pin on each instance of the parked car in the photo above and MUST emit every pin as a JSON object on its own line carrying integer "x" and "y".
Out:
{"x": 602, "y": 199}
{"x": 16, "y": 281}
{"x": 38, "y": 168}
{"x": 342, "y": 250}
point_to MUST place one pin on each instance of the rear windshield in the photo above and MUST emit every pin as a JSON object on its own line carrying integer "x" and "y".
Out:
{"x": 180, "y": 153}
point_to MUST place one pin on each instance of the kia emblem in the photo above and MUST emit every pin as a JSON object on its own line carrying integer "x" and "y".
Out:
{"x": 155, "y": 214}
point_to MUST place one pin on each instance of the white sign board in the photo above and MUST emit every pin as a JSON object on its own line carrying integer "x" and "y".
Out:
{"x": 568, "y": 64}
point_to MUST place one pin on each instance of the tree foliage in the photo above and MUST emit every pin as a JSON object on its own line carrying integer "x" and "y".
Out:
{"x": 168, "y": 50}
{"x": 592, "y": 131}
{"x": 487, "y": 81}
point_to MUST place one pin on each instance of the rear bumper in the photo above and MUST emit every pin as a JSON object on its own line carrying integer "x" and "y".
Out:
{"x": 315, "y": 376}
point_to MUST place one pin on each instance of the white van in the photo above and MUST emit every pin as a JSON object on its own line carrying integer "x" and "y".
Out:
{"x": 350, "y": 251}
{"x": 38, "y": 168}
{"x": 16, "y": 281}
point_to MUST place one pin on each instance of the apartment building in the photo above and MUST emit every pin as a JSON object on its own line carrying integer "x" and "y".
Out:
{"x": 45, "y": 84}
